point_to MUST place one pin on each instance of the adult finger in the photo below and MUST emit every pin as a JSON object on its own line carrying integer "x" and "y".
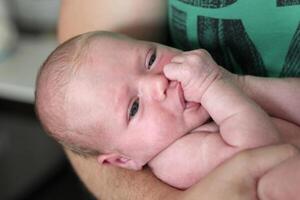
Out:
{"x": 282, "y": 182}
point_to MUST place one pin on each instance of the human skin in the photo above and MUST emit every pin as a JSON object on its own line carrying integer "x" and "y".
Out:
{"x": 182, "y": 159}
{"x": 241, "y": 123}
{"x": 124, "y": 77}
{"x": 116, "y": 16}
{"x": 288, "y": 173}
{"x": 112, "y": 183}
{"x": 139, "y": 111}
{"x": 235, "y": 179}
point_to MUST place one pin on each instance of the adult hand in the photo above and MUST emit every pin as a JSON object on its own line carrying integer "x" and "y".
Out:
{"x": 282, "y": 182}
{"x": 237, "y": 178}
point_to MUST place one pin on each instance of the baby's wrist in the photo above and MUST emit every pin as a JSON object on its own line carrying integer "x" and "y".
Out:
{"x": 216, "y": 79}
{"x": 243, "y": 82}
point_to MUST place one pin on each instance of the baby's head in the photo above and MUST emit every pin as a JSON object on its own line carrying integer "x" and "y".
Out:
{"x": 105, "y": 95}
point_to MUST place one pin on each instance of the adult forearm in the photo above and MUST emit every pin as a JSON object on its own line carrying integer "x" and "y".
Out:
{"x": 235, "y": 179}
{"x": 280, "y": 97}
{"x": 108, "y": 183}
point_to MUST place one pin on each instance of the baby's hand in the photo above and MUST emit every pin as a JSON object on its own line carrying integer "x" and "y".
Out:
{"x": 195, "y": 70}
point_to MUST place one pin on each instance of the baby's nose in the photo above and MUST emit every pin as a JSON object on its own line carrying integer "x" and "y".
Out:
{"x": 154, "y": 87}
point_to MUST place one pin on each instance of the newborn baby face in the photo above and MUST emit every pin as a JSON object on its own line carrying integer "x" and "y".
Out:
{"x": 124, "y": 105}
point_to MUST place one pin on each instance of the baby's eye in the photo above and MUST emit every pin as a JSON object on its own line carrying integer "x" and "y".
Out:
{"x": 151, "y": 59}
{"x": 134, "y": 108}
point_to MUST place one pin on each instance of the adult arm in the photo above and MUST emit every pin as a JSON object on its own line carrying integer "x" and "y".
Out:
{"x": 110, "y": 183}
{"x": 235, "y": 179}
{"x": 140, "y": 19}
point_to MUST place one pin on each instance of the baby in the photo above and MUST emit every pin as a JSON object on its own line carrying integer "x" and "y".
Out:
{"x": 132, "y": 103}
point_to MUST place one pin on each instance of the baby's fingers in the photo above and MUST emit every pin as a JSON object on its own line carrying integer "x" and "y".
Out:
{"x": 177, "y": 72}
{"x": 178, "y": 59}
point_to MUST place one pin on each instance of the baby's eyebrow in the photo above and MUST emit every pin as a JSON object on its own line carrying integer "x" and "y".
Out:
{"x": 121, "y": 101}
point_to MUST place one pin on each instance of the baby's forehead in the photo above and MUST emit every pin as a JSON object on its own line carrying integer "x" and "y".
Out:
{"x": 92, "y": 101}
{"x": 113, "y": 44}
{"x": 107, "y": 40}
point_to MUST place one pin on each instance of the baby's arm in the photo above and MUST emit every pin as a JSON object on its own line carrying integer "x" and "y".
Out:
{"x": 242, "y": 123}
{"x": 194, "y": 155}
{"x": 190, "y": 158}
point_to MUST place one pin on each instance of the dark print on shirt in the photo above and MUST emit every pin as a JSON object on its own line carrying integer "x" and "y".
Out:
{"x": 179, "y": 26}
{"x": 287, "y": 2}
{"x": 209, "y": 3}
{"x": 254, "y": 37}
{"x": 292, "y": 61}
{"x": 230, "y": 45}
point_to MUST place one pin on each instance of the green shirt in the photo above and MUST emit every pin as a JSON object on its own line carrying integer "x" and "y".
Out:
{"x": 258, "y": 37}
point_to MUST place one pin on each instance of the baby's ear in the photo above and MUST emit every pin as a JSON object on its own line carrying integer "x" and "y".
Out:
{"x": 119, "y": 161}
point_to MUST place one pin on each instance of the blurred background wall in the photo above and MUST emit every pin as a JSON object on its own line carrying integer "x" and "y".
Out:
{"x": 32, "y": 166}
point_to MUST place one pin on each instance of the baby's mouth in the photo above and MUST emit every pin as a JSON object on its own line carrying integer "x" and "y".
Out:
{"x": 190, "y": 104}
{"x": 185, "y": 104}
{"x": 180, "y": 94}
